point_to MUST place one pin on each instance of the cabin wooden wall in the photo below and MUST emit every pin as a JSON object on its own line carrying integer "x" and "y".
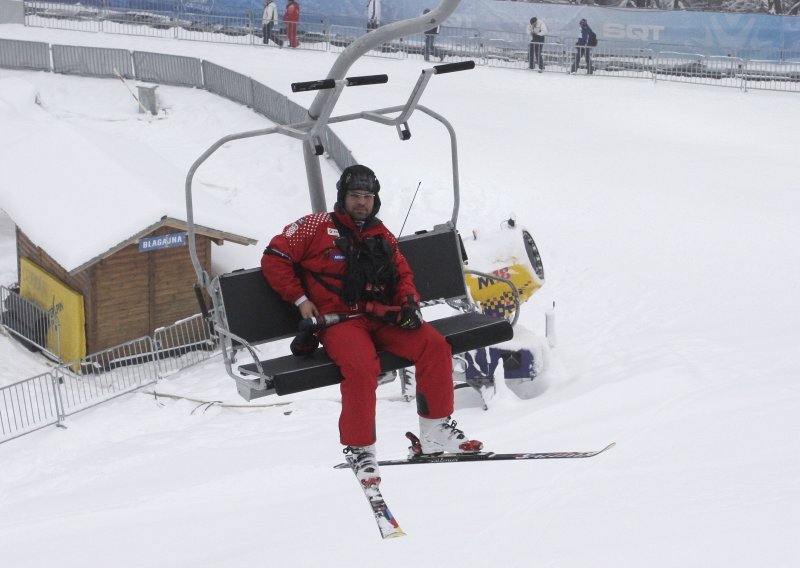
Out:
{"x": 130, "y": 293}
{"x": 119, "y": 299}
{"x": 137, "y": 292}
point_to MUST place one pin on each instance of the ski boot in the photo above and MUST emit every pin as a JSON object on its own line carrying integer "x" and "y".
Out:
{"x": 365, "y": 465}
{"x": 441, "y": 436}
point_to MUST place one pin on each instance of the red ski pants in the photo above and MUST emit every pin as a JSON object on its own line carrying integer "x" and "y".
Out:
{"x": 291, "y": 31}
{"x": 353, "y": 346}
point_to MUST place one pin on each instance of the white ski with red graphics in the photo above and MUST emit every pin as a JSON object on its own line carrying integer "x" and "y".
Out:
{"x": 416, "y": 457}
{"x": 387, "y": 524}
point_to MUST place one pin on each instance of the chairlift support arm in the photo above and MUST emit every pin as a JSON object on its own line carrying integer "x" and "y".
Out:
{"x": 340, "y": 67}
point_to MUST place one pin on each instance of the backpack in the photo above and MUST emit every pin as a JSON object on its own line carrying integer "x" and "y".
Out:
{"x": 371, "y": 275}
{"x": 592, "y": 39}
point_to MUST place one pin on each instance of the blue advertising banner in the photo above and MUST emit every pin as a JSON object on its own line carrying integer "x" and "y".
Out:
{"x": 732, "y": 31}
{"x": 710, "y": 30}
{"x": 163, "y": 242}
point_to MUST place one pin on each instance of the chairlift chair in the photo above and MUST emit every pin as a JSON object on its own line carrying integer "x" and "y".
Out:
{"x": 246, "y": 311}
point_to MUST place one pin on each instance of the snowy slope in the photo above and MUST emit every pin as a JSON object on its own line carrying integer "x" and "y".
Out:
{"x": 665, "y": 215}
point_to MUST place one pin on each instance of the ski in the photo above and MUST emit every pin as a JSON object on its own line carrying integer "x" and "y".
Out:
{"x": 486, "y": 456}
{"x": 387, "y": 524}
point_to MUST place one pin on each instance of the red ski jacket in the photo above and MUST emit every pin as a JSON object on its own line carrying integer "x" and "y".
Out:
{"x": 309, "y": 244}
{"x": 292, "y": 13}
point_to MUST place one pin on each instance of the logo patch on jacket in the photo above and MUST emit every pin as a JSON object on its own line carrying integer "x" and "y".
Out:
{"x": 333, "y": 232}
{"x": 291, "y": 229}
{"x": 339, "y": 256}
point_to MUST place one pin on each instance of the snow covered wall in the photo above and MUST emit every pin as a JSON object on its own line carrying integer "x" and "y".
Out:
{"x": 12, "y": 12}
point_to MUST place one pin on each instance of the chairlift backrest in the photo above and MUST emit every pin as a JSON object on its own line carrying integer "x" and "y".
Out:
{"x": 256, "y": 313}
{"x": 253, "y": 310}
{"x": 435, "y": 259}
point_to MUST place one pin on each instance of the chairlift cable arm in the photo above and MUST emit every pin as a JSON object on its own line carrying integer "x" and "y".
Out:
{"x": 378, "y": 37}
{"x": 202, "y": 276}
{"x": 339, "y": 69}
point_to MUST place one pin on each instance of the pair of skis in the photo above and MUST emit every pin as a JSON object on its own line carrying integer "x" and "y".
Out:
{"x": 387, "y": 524}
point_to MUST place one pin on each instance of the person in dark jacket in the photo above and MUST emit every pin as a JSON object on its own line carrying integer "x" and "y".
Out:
{"x": 583, "y": 48}
{"x": 312, "y": 264}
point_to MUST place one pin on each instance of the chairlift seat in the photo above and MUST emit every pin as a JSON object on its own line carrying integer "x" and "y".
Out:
{"x": 257, "y": 314}
{"x": 464, "y": 332}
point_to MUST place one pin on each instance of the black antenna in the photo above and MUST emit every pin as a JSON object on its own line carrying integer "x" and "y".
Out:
{"x": 409, "y": 210}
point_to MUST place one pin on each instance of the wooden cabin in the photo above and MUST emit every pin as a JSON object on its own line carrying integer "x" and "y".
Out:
{"x": 144, "y": 282}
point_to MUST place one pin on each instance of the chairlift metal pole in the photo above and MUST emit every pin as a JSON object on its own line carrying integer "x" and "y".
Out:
{"x": 340, "y": 67}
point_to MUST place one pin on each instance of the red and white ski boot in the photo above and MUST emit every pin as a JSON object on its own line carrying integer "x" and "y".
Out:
{"x": 441, "y": 436}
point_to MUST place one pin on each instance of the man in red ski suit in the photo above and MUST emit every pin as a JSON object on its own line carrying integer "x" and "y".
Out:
{"x": 318, "y": 264}
{"x": 291, "y": 17}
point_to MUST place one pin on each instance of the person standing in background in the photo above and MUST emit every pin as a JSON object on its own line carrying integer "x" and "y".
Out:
{"x": 291, "y": 17}
{"x": 536, "y": 31}
{"x": 269, "y": 19}
{"x": 584, "y": 46}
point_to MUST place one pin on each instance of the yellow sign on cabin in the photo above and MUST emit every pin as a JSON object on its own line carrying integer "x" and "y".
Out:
{"x": 49, "y": 293}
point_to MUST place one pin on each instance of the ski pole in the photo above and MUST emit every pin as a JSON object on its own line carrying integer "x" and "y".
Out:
{"x": 389, "y": 314}
{"x": 322, "y": 322}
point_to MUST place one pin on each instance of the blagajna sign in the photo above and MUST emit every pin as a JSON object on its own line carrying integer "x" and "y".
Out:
{"x": 163, "y": 242}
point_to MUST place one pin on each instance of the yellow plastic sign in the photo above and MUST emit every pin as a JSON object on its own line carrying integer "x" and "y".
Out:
{"x": 49, "y": 293}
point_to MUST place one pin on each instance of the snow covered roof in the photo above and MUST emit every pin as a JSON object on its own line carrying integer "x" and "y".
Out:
{"x": 166, "y": 222}
{"x": 81, "y": 193}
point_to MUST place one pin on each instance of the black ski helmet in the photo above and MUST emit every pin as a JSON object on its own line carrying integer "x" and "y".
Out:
{"x": 358, "y": 178}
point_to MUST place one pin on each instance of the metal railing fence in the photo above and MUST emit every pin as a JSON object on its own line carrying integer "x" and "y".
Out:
{"x": 25, "y": 54}
{"x": 29, "y": 405}
{"x": 168, "y": 69}
{"x": 34, "y": 327}
{"x": 101, "y": 376}
{"x": 46, "y": 399}
{"x": 628, "y": 62}
{"x": 183, "y": 344}
{"x": 772, "y": 75}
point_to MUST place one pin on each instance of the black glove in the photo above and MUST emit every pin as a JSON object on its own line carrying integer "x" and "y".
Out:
{"x": 410, "y": 315}
{"x": 304, "y": 344}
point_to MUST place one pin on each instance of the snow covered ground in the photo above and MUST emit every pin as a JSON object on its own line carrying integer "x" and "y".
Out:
{"x": 666, "y": 218}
